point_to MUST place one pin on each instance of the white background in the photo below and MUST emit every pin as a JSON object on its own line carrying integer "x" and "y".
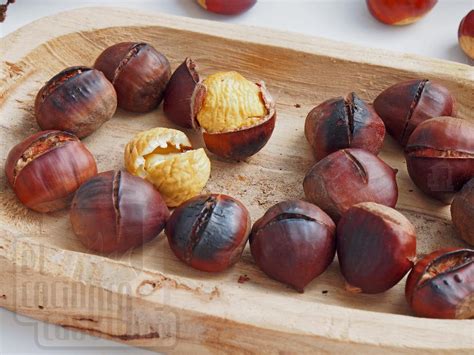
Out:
{"x": 342, "y": 20}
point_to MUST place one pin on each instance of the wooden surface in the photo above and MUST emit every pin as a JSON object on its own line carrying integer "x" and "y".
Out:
{"x": 147, "y": 297}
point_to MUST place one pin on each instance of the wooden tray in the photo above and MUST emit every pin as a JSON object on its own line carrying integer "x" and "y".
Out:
{"x": 148, "y": 298}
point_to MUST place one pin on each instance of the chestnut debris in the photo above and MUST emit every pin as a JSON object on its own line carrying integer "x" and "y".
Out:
{"x": 462, "y": 212}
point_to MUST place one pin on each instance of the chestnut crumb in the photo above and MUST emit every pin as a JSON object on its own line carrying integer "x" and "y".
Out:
{"x": 297, "y": 105}
{"x": 243, "y": 279}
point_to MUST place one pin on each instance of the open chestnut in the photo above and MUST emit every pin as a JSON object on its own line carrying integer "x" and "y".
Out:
{"x": 227, "y": 7}
{"x": 462, "y": 212}
{"x": 400, "y": 12}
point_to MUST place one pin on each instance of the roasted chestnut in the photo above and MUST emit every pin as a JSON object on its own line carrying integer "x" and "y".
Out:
{"x": 462, "y": 212}
{"x": 376, "y": 247}
{"x": 347, "y": 177}
{"x": 47, "y": 168}
{"x": 115, "y": 211}
{"x": 77, "y": 100}
{"x": 237, "y": 117}
{"x": 227, "y": 7}
{"x": 138, "y": 72}
{"x": 294, "y": 242}
{"x": 400, "y": 12}
{"x": 440, "y": 156}
{"x": 405, "y": 105}
{"x": 209, "y": 232}
{"x": 344, "y": 123}
{"x": 441, "y": 285}
{"x": 466, "y": 34}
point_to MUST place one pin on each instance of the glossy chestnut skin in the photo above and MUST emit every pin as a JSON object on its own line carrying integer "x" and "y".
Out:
{"x": 138, "y": 72}
{"x": 47, "y": 168}
{"x": 440, "y": 156}
{"x": 294, "y": 242}
{"x": 400, "y": 12}
{"x": 348, "y": 177}
{"x": 227, "y": 7}
{"x": 441, "y": 285}
{"x": 462, "y": 212}
{"x": 466, "y": 34}
{"x": 116, "y": 211}
{"x": 376, "y": 247}
{"x": 209, "y": 232}
{"x": 77, "y": 100}
{"x": 341, "y": 123}
{"x": 405, "y": 105}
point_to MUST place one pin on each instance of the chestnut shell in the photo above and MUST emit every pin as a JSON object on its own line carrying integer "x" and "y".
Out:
{"x": 462, "y": 212}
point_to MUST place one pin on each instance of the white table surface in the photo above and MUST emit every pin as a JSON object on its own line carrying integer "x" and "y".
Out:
{"x": 342, "y": 20}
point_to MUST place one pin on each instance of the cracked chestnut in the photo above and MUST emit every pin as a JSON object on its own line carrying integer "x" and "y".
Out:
{"x": 376, "y": 247}
{"x": 116, "y": 211}
{"x": 341, "y": 123}
{"x": 347, "y": 177}
{"x": 77, "y": 100}
{"x": 441, "y": 285}
{"x": 466, "y": 34}
{"x": 405, "y": 105}
{"x": 400, "y": 12}
{"x": 226, "y": 7}
{"x": 462, "y": 212}
{"x": 209, "y": 232}
{"x": 138, "y": 72}
{"x": 440, "y": 156}
{"x": 47, "y": 168}
{"x": 294, "y": 242}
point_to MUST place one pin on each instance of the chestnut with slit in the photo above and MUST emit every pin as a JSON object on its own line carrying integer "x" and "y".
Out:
{"x": 405, "y": 105}
{"x": 115, "y": 211}
{"x": 47, "y": 168}
{"x": 400, "y": 12}
{"x": 441, "y": 285}
{"x": 77, "y": 100}
{"x": 227, "y": 7}
{"x": 462, "y": 212}
{"x": 138, "y": 72}
{"x": 376, "y": 247}
{"x": 294, "y": 242}
{"x": 209, "y": 232}
{"x": 340, "y": 123}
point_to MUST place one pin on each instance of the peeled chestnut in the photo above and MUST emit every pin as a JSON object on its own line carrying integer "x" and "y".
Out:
{"x": 294, "y": 242}
{"x": 77, "y": 100}
{"x": 47, "y": 168}
{"x": 237, "y": 117}
{"x": 466, "y": 34}
{"x": 462, "y": 212}
{"x": 400, "y": 12}
{"x": 347, "y": 177}
{"x": 115, "y": 211}
{"x": 209, "y": 232}
{"x": 440, "y": 156}
{"x": 227, "y": 7}
{"x": 138, "y": 72}
{"x": 441, "y": 285}
{"x": 376, "y": 247}
{"x": 344, "y": 123}
{"x": 405, "y": 105}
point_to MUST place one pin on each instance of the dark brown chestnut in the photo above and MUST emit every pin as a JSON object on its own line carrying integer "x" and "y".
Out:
{"x": 47, "y": 168}
{"x": 344, "y": 123}
{"x": 376, "y": 247}
{"x": 209, "y": 232}
{"x": 462, "y": 212}
{"x": 347, "y": 177}
{"x": 440, "y": 156}
{"x": 441, "y": 285}
{"x": 400, "y": 12}
{"x": 77, "y": 100}
{"x": 115, "y": 211}
{"x": 294, "y": 242}
{"x": 138, "y": 72}
{"x": 405, "y": 105}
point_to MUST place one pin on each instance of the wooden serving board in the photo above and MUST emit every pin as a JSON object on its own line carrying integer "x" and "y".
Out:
{"x": 147, "y": 297}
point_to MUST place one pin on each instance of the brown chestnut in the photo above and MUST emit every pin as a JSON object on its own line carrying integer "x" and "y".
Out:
{"x": 347, "y": 177}
{"x": 376, "y": 247}
{"x": 466, "y": 34}
{"x": 115, "y": 211}
{"x": 227, "y": 7}
{"x": 344, "y": 123}
{"x": 405, "y": 105}
{"x": 209, "y": 232}
{"x": 441, "y": 285}
{"x": 294, "y": 242}
{"x": 462, "y": 212}
{"x": 47, "y": 168}
{"x": 138, "y": 72}
{"x": 440, "y": 156}
{"x": 400, "y": 12}
{"x": 77, "y": 100}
